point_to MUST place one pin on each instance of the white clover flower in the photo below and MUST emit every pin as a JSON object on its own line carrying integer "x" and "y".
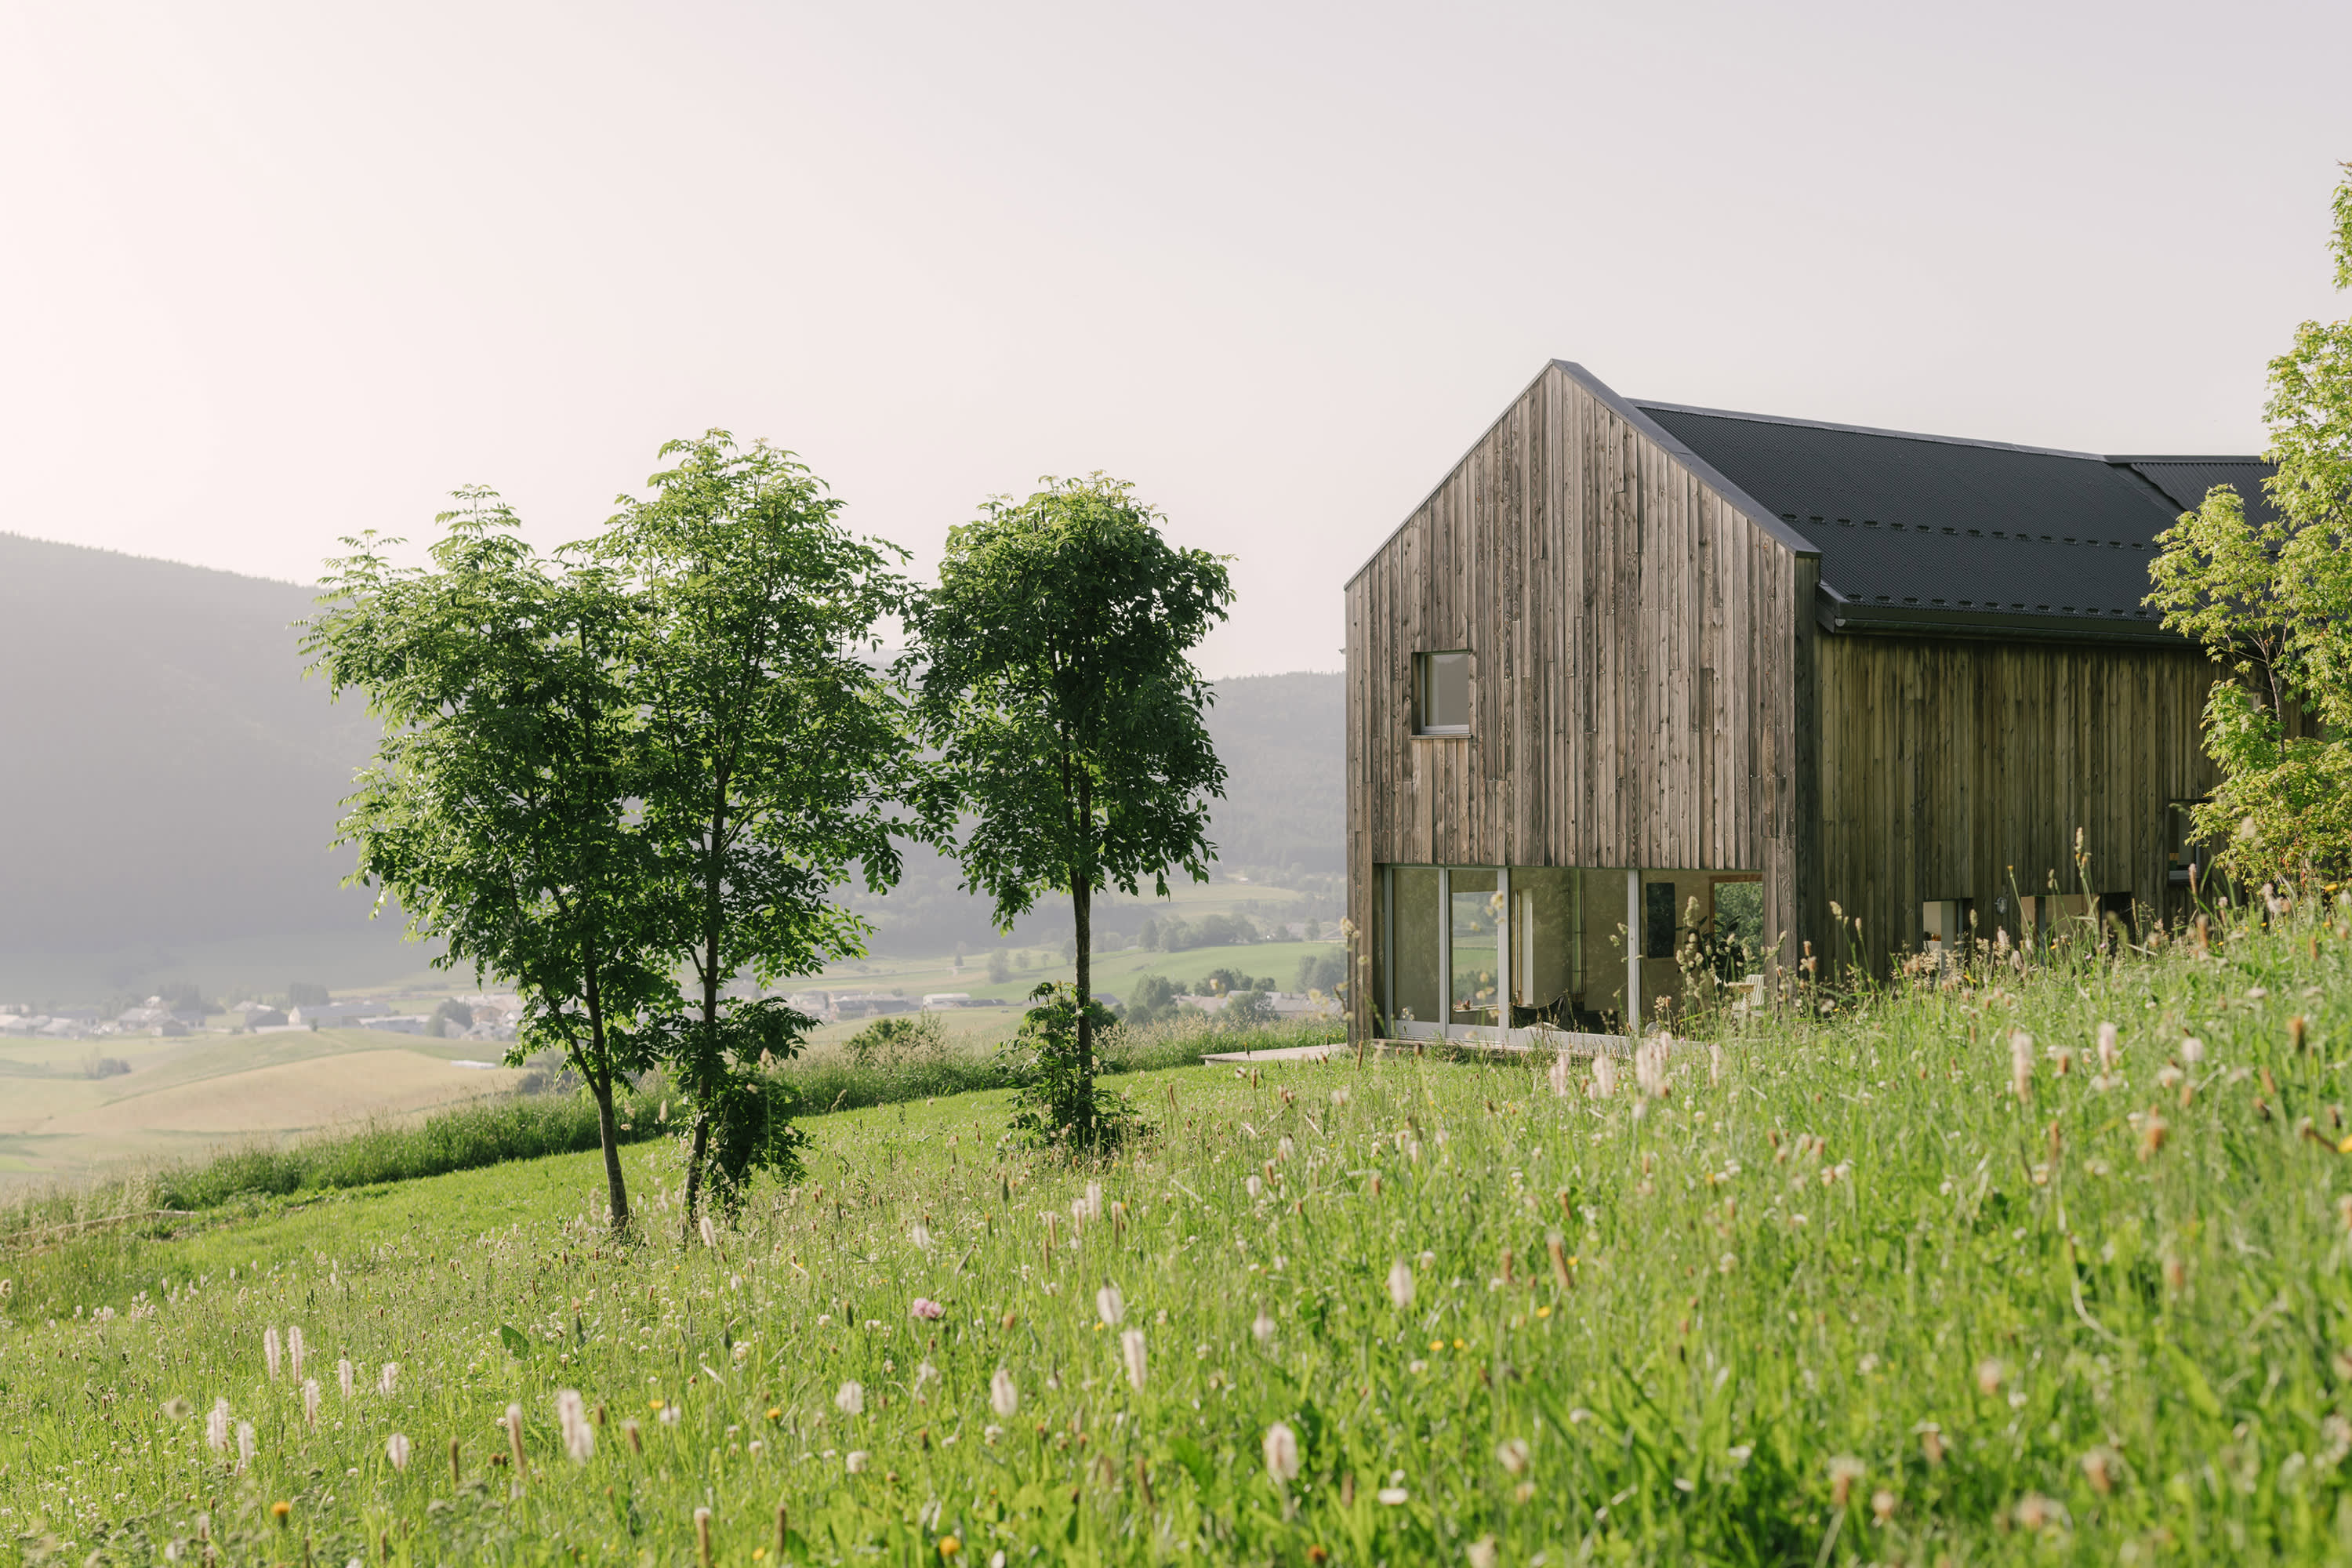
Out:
{"x": 856, "y": 1461}
{"x": 850, "y": 1398}
{"x": 1391, "y": 1497}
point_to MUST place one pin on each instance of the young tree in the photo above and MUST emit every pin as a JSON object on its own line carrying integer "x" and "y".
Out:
{"x": 495, "y": 810}
{"x": 776, "y": 758}
{"x": 2272, "y": 601}
{"x": 1056, "y": 684}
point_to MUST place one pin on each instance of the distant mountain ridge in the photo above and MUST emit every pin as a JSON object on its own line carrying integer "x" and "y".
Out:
{"x": 168, "y": 776}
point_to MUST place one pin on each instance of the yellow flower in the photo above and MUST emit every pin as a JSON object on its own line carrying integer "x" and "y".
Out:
{"x": 1543, "y": 1311}
{"x": 653, "y": 1405}
{"x": 775, "y": 1413}
{"x": 758, "y": 1553}
{"x": 278, "y": 1510}
{"x": 1460, "y": 1345}
{"x": 949, "y": 1546}
{"x": 1437, "y": 1344}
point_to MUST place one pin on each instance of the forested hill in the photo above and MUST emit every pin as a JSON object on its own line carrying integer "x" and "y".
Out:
{"x": 166, "y": 774}
{"x": 167, "y": 777}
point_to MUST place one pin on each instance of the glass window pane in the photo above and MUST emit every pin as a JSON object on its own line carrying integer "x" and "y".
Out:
{"x": 1445, "y": 692}
{"x": 1477, "y": 913}
{"x": 1546, "y": 935}
{"x": 1415, "y": 944}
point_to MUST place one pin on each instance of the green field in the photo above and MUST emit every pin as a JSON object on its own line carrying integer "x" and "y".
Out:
{"x": 1843, "y": 1295}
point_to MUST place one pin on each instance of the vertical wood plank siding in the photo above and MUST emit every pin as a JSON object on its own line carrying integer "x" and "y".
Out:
{"x": 1639, "y": 652}
{"x": 1952, "y": 766}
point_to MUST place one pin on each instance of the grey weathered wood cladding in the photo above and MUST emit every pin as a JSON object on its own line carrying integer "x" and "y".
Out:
{"x": 1639, "y": 652}
{"x": 1653, "y": 687}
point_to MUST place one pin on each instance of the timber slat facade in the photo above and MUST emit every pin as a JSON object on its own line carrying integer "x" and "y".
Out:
{"x": 1662, "y": 676}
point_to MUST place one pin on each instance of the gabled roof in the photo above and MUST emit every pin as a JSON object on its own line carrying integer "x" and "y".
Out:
{"x": 1934, "y": 533}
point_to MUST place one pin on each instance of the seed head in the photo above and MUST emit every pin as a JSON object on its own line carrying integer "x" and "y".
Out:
{"x": 1281, "y": 1448}
{"x": 1604, "y": 1076}
{"x": 311, "y": 1402}
{"x": 1131, "y": 1348}
{"x": 1483, "y": 1553}
{"x": 921, "y": 1237}
{"x": 2110, "y": 1051}
{"x": 1255, "y": 1187}
{"x": 269, "y": 1352}
{"x": 1845, "y": 1470}
{"x": 2020, "y": 1064}
{"x": 396, "y": 1449}
{"x": 710, "y": 1232}
{"x": 294, "y": 1352}
{"x": 2099, "y": 1468}
{"x": 1990, "y": 1375}
{"x": 216, "y": 1428}
{"x": 850, "y": 1398}
{"x": 1004, "y": 1395}
{"x": 856, "y": 1461}
{"x": 1110, "y": 1305}
{"x": 345, "y": 1378}
{"x": 1559, "y": 1075}
{"x": 2151, "y": 1135}
{"x": 1400, "y": 1284}
{"x": 579, "y": 1435}
{"x": 388, "y": 1379}
{"x": 1263, "y": 1326}
{"x": 1882, "y": 1505}
{"x": 2192, "y": 1050}
{"x": 1512, "y": 1455}
{"x": 245, "y": 1446}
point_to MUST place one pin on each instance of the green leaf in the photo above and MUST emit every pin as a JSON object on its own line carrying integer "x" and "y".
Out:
{"x": 518, "y": 1345}
{"x": 2193, "y": 1382}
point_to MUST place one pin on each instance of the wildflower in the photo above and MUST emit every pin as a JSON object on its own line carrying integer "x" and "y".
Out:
{"x": 921, "y": 1237}
{"x": 1390, "y": 1496}
{"x": 1512, "y": 1455}
{"x": 1559, "y": 1075}
{"x": 311, "y": 1402}
{"x": 949, "y": 1546}
{"x": 216, "y": 1428}
{"x": 990, "y": 1433}
{"x": 1416, "y": 1366}
{"x": 1604, "y": 1076}
{"x": 2192, "y": 1050}
{"x": 1882, "y": 1505}
{"x": 388, "y": 1379}
{"x": 2020, "y": 1064}
{"x": 1003, "y": 1396}
{"x": 1845, "y": 1470}
{"x": 1400, "y": 1284}
{"x": 926, "y": 1310}
{"x": 294, "y": 1352}
{"x": 1284, "y": 1148}
{"x": 1255, "y": 1187}
{"x": 710, "y": 1232}
{"x": 856, "y": 1461}
{"x": 244, "y": 1445}
{"x": 1110, "y": 1305}
{"x": 1931, "y": 1442}
{"x": 1263, "y": 1326}
{"x": 1989, "y": 1374}
{"x": 850, "y": 1398}
{"x": 396, "y": 1449}
{"x": 1281, "y": 1448}
{"x": 636, "y": 1439}
{"x": 345, "y": 1378}
{"x": 578, "y": 1437}
{"x": 177, "y": 1409}
{"x": 2035, "y": 1512}
{"x": 1715, "y": 1064}
{"x": 2099, "y": 1469}
{"x": 671, "y": 1415}
{"x": 1650, "y": 1067}
{"x": 269, "y": 1350}
{"x": 1131, "y": 1347}
{"x": 1483, "y": 1553}
{"x": 2110, "y": 1053}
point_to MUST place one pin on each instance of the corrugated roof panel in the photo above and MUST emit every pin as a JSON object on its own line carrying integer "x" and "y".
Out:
{"x": 1956, "y": 530}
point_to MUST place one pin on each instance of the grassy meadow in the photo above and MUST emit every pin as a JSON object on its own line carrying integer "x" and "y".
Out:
{"x": 1929, "y": 1279}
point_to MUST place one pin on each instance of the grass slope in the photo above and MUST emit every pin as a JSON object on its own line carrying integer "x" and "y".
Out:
{"x": 1855, "y": 1299}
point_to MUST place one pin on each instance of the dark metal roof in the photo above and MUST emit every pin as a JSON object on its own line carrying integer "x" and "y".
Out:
{"x": 1933, "y": 534}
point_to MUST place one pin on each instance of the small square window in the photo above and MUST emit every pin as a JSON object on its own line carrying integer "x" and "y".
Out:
{"x": 1442, "y": 693}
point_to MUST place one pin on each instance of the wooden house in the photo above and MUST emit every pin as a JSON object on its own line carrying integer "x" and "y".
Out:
{"x": 1637, "y": 676}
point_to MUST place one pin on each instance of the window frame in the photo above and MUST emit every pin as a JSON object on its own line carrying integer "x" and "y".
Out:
{"x": 1421, "y": 668}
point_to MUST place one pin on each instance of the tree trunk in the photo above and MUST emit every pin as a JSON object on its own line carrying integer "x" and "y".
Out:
{"x": 714, "y": 917}
{"x": 600, "y": 1080}
{"x": 1082, "y": 918}
{"x": 694, "y": 1167}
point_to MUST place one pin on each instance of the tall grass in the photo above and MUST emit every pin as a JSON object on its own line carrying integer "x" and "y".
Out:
{"x": 1929, "y": 1276}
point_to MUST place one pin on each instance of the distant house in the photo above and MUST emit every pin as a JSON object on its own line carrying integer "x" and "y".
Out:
{"x": 337, "y": 1015}
{"x": 1639, "y": 673}
{"x": 872, "y": 1005}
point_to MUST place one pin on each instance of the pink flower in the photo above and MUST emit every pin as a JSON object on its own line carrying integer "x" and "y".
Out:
{"x": 926, "y": 1309}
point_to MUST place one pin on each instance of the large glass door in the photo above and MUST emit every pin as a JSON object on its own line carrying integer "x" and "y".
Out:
{"x": 1474, "y": 917}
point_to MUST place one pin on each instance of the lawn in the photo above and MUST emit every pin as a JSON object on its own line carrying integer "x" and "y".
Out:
{"x": 1898, "y": 1285}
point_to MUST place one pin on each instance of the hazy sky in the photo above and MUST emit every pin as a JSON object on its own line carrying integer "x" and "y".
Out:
{"x": 273, "y": 274}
